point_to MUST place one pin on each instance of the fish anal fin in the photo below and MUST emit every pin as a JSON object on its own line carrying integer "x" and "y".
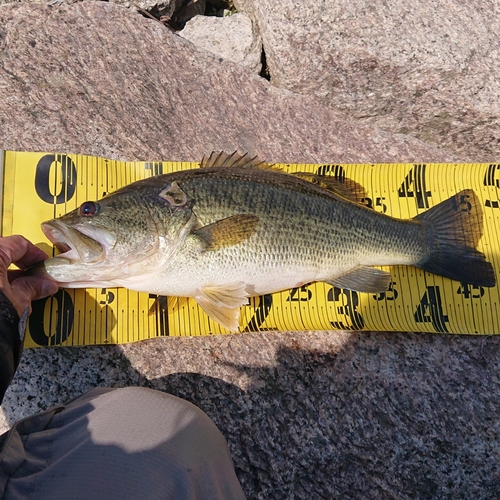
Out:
{"x": 222, "y": 159}
{"x": 222, "y": 303}
{"x": 456, "y": 226}
{"x": 226, "y": 232}
{"x": 363, "y": 279}
{"x": 341, "y": 186}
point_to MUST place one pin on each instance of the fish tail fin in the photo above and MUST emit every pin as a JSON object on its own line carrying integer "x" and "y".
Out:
{"x": 455, "y": 227}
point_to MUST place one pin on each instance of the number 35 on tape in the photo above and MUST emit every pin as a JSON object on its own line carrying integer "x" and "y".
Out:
{"x": 41, "y": 186}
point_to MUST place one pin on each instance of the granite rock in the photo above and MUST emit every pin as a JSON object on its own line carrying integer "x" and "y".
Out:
{"x": 428, "y": 69}
{"x": 168, "y": 9}
{"x": 123, "y": 86}
{"x": 166, "y": 6}
{"x": 231, "y": 37}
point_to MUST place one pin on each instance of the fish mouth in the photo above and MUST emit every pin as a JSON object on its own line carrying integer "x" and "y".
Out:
{"x": 72, "y": 243}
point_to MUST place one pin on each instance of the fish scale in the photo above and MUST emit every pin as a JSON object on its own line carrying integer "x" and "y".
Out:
{"x": 298, "y": 223}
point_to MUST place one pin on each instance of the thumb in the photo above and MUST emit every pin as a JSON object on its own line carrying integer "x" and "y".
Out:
{"x": 29, "y": 288}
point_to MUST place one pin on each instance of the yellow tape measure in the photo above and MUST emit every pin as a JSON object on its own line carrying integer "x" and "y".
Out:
{"x": 41, "y": 186}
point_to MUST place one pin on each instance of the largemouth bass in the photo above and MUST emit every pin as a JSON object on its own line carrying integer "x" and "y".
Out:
{"x": 236, "y": 228}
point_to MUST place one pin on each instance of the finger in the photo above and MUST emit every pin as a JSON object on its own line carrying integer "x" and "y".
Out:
{"x": 29, "y": 288}
{"x": 14, "y": 274}
{"x": 18, "y": 250}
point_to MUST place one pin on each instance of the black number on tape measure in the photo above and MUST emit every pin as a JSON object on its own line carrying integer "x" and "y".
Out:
{"x": 470, "y": 291}
{"x": 261, "y": 313}
{"x": 351, "y": 301}
{"x": 379, "y": 206}
{"x": 390, "y": 294}
{"x": 464, "y": 205}
{"x": 491, "y": 178}
{"x": 337, "y": 171}
{"x": 302, "y": 294}
{"x": 64, "y": 175}
{"x": 492, "y": 203}
{"x": 367, "y": 202}
{"x": 430, "y": 310}
{"x": 61, "y": 317}
{"x": 414, "y": 186}
{"x": 109, "y": 297}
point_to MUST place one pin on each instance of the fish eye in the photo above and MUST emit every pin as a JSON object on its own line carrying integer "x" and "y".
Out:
{"x": 89, "y": 208}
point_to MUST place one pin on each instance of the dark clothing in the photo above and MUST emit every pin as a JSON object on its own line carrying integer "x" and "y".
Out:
{"x": 10, "y": 343}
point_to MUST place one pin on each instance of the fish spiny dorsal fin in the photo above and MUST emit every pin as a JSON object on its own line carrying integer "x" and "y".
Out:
{"x": 339, "y": 185}
{"x": 235, "y": 159}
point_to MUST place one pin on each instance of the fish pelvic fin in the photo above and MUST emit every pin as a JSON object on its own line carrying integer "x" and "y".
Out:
{"x": 363, "y": 279}
{"x": 222, "y": 159}
{"x": 455, "y": 227}
{"x": 222, "y": 303}
{"x": 227, "y": 232}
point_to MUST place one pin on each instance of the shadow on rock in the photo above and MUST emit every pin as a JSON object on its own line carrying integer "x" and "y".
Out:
{"x": 380, "y": 416}
{"x": 375, "y": 420}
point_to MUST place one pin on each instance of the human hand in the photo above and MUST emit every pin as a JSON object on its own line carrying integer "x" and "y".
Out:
{"x": 17, "y": 287}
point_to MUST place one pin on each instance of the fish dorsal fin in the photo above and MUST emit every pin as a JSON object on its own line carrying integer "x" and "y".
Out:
{"x": 363, "y": 279}
{"x": 222, "y": 303}
{"x": 340, "y": 185}
{"x": 227, "y": 232}
{"x": 221, "y": 159}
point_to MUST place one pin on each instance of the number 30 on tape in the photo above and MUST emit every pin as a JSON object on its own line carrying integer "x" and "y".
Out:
{"x": 41, "y": 186}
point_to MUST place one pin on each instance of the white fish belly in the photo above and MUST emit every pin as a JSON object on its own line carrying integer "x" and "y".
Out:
{"x": 187, "y": 282}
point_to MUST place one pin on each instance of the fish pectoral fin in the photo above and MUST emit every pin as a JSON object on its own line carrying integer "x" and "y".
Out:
{"x": 337, "y": 184}
{"x": 227, "y": 232}
{"x": 221, "y": 159}
{"x": 222, "y": 303}
{"x": 363, "y": 279}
